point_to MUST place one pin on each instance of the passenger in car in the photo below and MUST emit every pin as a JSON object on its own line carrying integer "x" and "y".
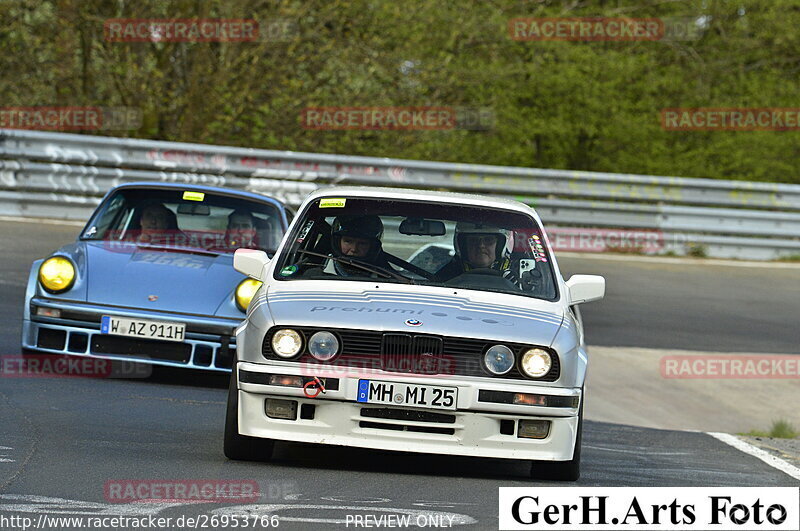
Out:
{"x": 241, "y": 231}
{"x": 478, "y": 247}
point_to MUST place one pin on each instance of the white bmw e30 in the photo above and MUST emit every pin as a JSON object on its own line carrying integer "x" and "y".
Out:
{"x": 413, "y": 320}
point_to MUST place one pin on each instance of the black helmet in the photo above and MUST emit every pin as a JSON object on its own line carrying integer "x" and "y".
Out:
{"x": 366, "y": 227}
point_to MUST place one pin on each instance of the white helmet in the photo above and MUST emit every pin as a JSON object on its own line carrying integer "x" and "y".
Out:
{"x": 505, "y": 239}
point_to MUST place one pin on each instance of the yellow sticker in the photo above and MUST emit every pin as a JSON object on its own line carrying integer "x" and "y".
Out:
{"x": 193, "y": 196}
{"x": 332, "y": 203}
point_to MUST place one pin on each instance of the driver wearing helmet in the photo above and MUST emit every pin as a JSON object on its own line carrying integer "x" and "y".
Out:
{"x": 478, "y": 246}
{"x": 359, "y": 238}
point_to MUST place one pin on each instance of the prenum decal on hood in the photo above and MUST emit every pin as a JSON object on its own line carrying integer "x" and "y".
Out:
{"x": 365, "y": 309}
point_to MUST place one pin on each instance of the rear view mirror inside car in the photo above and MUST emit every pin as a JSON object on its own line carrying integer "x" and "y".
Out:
{"x": 193, "y": 209}
{"x": 422, "y": 227}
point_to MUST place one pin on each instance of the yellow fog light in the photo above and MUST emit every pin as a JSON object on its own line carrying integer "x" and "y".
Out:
{"x": 57, "y": 274}
{"x": 245, "y": 291}
{"x": 536, "y": 362}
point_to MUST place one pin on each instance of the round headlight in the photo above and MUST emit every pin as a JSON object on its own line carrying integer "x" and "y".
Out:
{"x": 323, "y": 345}
{"x": 245, "y": 291}
{"x": 499, "y": 359}
{"x": 536, "y": 362}
{"x": 287, "y": 343}
{"x": 57, "y": 274}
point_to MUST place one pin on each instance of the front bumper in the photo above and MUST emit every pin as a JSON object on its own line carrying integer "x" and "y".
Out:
{"x": 473, "y": 429}
{"x": 210, "y": 343}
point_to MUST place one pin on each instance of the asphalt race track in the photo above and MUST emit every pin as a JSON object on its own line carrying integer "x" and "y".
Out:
{"x": 62, "y": 440}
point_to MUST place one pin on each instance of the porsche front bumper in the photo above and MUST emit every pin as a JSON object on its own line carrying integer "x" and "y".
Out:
{"x": 209, "y": 344}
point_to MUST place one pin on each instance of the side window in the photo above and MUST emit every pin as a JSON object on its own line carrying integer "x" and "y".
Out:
{"x": 268, "y": 229}
{"x": 110, "y": 217}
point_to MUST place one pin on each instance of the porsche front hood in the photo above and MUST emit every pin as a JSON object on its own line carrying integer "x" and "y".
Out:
{"x": 429, "y": 311}
{"x": 160, "y": 280}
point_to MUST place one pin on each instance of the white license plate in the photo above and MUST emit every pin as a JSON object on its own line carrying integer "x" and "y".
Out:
{"x": 402, "y": 394}
{"x": 122, "y": 326}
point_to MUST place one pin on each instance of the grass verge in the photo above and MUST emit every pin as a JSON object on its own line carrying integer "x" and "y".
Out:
{"x": 781, "y": 429}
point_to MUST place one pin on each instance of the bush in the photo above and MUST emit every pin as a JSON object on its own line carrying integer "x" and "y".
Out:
{"x": 697, "y": 250}
{"x": 781, "y": 429}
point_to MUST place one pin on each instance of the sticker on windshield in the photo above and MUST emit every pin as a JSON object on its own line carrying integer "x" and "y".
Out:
{"x": 193, "y": 196}
{"x": 537, "y": 249}
{"x": 304, "y": 231}
{"x": 332, "y": 203}
{"x": 288, "y": 271}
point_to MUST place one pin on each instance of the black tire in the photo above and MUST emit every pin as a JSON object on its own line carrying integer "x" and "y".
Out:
{"x": 237, "y": 446}
{"x": 562, "y": 470}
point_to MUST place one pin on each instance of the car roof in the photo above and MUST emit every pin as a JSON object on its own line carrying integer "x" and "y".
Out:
{"x": 201, "y": 188}
{"x": 421, "y": 195}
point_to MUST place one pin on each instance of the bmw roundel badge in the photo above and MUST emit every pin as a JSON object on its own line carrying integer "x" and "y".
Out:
{"x": 413, "y": 322}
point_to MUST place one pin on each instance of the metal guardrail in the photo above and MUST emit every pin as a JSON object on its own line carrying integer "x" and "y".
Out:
{"x": 64, "y": 175}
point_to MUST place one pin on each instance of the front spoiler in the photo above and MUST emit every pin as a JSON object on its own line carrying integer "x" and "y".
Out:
{"x": 475, "y": 431}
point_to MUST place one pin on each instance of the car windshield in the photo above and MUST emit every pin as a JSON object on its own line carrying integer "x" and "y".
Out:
{"x": 413, "y": 242}
{"x": 185, "y": 219}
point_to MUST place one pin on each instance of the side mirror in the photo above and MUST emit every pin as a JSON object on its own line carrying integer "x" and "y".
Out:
{"x": 251, "y": 262}
{"x": 585, "y": 288}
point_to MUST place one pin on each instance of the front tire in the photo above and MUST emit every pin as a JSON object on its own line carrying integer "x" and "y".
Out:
{"x": 562, "y": 470}
{"x": 240, "y": 447}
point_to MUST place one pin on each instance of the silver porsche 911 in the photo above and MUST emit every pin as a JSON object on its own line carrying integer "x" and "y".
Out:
{"x": 150, "y": 277}
{"x": 413, "y": 321}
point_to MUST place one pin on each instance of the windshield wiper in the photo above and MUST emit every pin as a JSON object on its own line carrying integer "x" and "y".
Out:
{"x": 361, "y": 265}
